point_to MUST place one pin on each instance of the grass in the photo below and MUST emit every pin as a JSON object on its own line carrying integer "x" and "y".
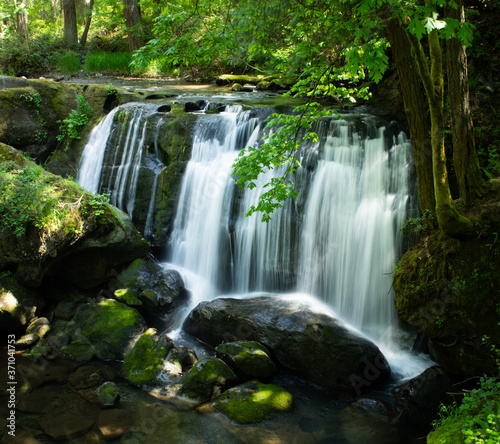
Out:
{"x": 108, "y": 62}
{"x": 69, "y": 63}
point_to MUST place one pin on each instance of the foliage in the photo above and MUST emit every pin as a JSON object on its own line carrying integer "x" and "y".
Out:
{"x": 76, "y": 122}
{"x": 419, "y": 226}
{"x": 108, "y": 62}
{"x": 31, "y": 197}
{"x": 69, "y": 62}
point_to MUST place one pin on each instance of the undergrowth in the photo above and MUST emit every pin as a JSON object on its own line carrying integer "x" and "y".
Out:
{"x": 78, "y": 119}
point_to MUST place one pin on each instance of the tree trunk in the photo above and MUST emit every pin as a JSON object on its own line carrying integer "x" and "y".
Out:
{"x": 22, "y": 23}
{"x": 416, "y": 109}
{"x": 465, "y": 159}
{"x": 70, "y": 29}
{"x": 133, "y": 24}
{"x": 88, "y": 13}
{"x": 449, "y": 220}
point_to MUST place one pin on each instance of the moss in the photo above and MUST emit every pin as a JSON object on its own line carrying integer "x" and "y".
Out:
{"x": 78, "y": 350}
{"x": 450, "y": 433}
{"x": 142, "y": 365}
{"x": 111, "y": 327}
{"x": 248, "y": 358}
{"x": 207, "y": 379}
{"x": 108, "y": 394}
{"x": 127, "y": 296}
{"x": 253, "y": 401}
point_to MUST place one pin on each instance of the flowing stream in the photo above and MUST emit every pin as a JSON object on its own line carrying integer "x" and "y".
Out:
{"x": 338, "y": 241}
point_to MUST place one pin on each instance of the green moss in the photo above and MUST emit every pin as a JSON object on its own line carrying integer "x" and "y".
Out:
{"x": 78, "y": 350}
{"x": 207, "y": 378}
{"x": 142, "y": 365}
{"x": 253, "y": 401}
{"x": 110, "y": 326}
{"x": 127, "y": 296}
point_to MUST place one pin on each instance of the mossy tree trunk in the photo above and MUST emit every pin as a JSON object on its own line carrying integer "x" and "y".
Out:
{"x": 466, "y": 162}
{"x": 70, "y": 29}
{"x": 416, "y": 109}
{"x": 449, "y": 220}
{"x": 133, "y": 24}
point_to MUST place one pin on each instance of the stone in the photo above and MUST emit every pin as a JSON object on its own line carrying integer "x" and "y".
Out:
{"x": 305, "y": 341}
{"x": 78, "y": 350}
{"x": 87, "y": 376}
{"x": 108, "y": 394}
{"x": 208, "y": 378}
{"x": 144, "y": 362}
{"x": 110, "y": 327}
{"x": 114, "y": 423}
{"x": 128, "y": 297}
{"x": 65, "y": 424}
{"x": 248, "y": 359}
{"x": 253, "y": 402}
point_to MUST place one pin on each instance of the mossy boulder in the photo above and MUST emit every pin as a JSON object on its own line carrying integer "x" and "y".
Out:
{"x": 108, "y": 394}
{"x": 78, "y": 350}
{"x": 248, "y": 359}
{"x": 110, "y": 327}
{"x": 303, "y": 340}
{"x": 51, "y": 227}
{"x": 253, "y": 402}
{"x": 449, "y": 289}
{"x": 208, "y": 378}
{"x": 144, "y": 362}
{"x": 159, "y": 290}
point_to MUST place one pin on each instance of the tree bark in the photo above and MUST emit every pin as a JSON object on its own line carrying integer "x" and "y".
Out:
{"x": 416, "y": 109}
{"x": 70, "y": 29}
{"x": 133, "y": 24}
{"x": 22, "y": 23}
{"x": 465, "y": 159}
{"x": 449, "y": 220}
{"x": 88, "y": 14}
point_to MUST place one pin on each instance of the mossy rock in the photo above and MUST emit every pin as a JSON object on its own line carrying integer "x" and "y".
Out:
{"x": 110, "y": 326}
{"x": 451, "y": 433}
{"x": 208, "y": 378}
{"x": 127, "y": 296}
{"x": 108, "y": 394}
{"x": 144, "y": 362}
{"x": 78, "y": 350}
{"x": 253, "y": 402}
{"x": 248, "y": 359}
{"x": 449, "y": 289}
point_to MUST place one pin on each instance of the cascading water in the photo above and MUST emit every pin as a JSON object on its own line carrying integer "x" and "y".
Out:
{"x": 338, "y": 241}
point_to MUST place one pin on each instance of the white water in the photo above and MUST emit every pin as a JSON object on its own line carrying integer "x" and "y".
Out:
{"x": 338, "y": 244}
{"x": 343, "y": 251}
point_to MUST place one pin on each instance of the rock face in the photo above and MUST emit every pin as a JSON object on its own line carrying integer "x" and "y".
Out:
{"x": 51, "y": 227}
{"x": 313, "y": 345}
{"x": 449, "y": 289}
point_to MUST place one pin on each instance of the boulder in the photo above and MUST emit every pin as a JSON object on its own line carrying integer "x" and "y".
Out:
{"x": 160, "y": 291}
{"x": 108, "y": 394}
{"x": 248, "y": 359}
{"x": 78, "y": 350}
{"x": 311, "y": 344}
{"x": 253, "y": 401}
{"x": 208, "y": 378}
{"x": 110, "y": 327}
{"x": 51, "y": 227}
{"x": 144, "y": 362}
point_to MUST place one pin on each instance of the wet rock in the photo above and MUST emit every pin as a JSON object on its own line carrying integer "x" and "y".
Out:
{"x": 159, "y": 290}
{"x": 108, "y": 394}
{"x": 115, "y": 422}
{"x": 312, "y": 344}
{"x": 110, "y": 327}
{"x": 87, "y": 376}
{"x": 208, "y": 378}
{"x": 179, "y": 360}
{"x": 78, "y": 350}
{"x": 253, "y": 401}
{"x": 144, "y": 362}
{"x": 128, "y": 297}
{"x": 248, "y": 359}
{"x": 65, "y": 424}
{"x": 368, "y": 420}
{"x": 191, "y": 107}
